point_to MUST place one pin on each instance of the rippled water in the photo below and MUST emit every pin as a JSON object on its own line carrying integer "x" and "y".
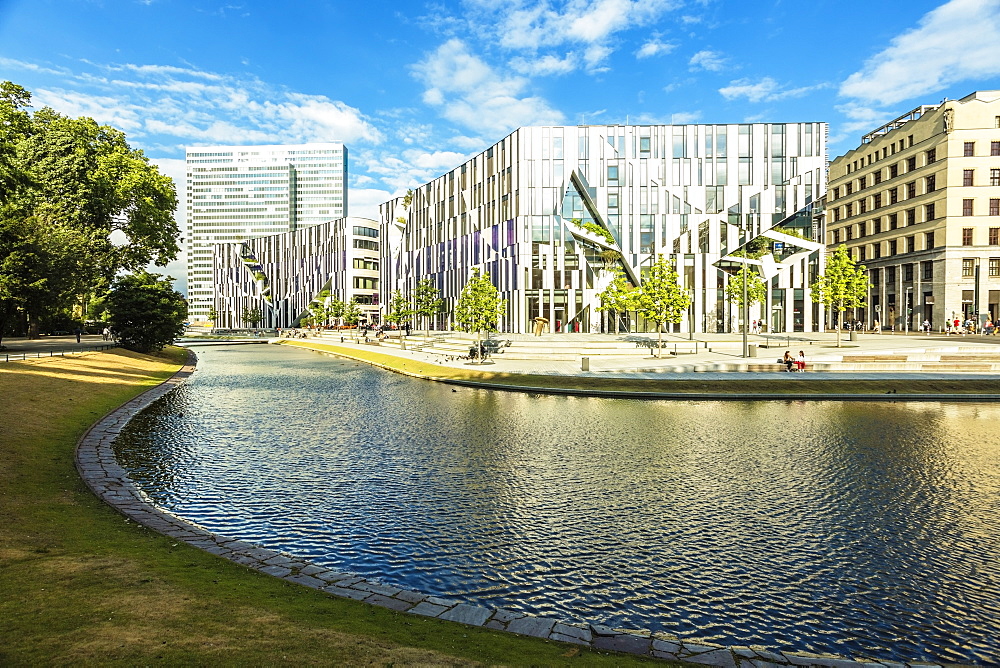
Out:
{"x": 856, "y": 529}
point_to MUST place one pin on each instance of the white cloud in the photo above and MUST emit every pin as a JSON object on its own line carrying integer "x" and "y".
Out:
{"x": 471, "y": 93}
{"x": 654, "y": 48}
{"x": 683, "y": 117}
{"x": 531, "y": 26}
{"x": 192, "y": 106}
{"x": 712, "y": 61}
{"x": 764, "y": 90}
{"x": 545, "y": 65}
{"x": 364, "y": 202}
{"x": 958, "y": 41}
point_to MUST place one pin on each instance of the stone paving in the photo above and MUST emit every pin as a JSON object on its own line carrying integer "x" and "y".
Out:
{"x": 97, "y": 465}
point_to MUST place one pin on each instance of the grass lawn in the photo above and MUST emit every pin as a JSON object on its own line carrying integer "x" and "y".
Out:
{"x": 793, "y": 384}
{"x": 80, "y": 584}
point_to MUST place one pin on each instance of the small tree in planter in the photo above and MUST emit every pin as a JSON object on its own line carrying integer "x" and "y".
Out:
{"x": 427, "y": 303}
{"x": 756, "y": 289}
{"x": 618, "y": 297}
{"x": 399, "y": 313}
{"x": 843, "y": 285}
{"x": 479, "y": 307}
{"x": 352, "y": 314}
{"x": 661, "y": 298}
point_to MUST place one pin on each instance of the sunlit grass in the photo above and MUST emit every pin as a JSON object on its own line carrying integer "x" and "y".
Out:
{"x": 80, "y": 584}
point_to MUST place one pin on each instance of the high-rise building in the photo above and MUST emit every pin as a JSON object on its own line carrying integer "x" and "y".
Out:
{"x": 552, "y": 213}
{"x": 918, "y": 203}
{"x": 236, "y": 193}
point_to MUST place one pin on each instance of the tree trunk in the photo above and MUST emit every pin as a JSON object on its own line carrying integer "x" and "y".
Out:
{"x": 33, "y": 326}
{"x": 840, "y": 326}
{"x": 659, "y": 340}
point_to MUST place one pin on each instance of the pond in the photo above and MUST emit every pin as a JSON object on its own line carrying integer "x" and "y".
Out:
{"x": 833, "y": 527}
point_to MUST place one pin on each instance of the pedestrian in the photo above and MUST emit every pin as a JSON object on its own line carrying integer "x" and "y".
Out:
{"x": 800, "y": 363}
{"x": 788, "y": 361}
{"x": 106, "y": 333}
{"x": 927, "y": 327}
{"x": 877, "y": 327}
{"x": 79, "y": 333}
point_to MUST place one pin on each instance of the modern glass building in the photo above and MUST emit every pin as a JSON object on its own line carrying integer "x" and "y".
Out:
{"x": 236, "y": 193}
{"x": 551, "y": 213}
{"x": 281, "y": 274}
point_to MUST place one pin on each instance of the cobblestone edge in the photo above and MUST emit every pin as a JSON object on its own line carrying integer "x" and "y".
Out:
{"x": 96, "y": 463}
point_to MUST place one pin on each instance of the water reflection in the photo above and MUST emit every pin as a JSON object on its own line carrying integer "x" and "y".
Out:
{"x": 826, "y": 527}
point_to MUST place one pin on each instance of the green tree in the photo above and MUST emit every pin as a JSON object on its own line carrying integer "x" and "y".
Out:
{"x": 843, "y": 284}
{"x": 145, "y": 311}
{"x": 756, "y": 289}
{"x": 69, "y": 182}
{"x": 427, "y": 303}
{"x": 252, "y": 316}
{"x": 336, "y": 309}
{"x": 618, "y": 297}
{"x": 399, "y": 313}
{"x": 352, "y": 313}
{"x": 479, "y": 307}
{"x": 661, "y": 298}
{"x": 213, "y": 314}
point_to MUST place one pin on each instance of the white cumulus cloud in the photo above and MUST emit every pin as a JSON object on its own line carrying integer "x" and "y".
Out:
{"x": 763, "y": 90}
{"x": 958, "y": 41}
{"x": 713, "y": 61}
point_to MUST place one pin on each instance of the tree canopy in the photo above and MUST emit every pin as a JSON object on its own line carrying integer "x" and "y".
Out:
{"x": 618, "y": 297}
{"x": 756, "y": 289}
{"x": 661, "y": 298}
{"x": 146, "y": 313}
{"x": 843, "y": 284}
{"x": 427, "y": 302}
{"x": 479, "y": 307}
{"x": 67, "y": 185}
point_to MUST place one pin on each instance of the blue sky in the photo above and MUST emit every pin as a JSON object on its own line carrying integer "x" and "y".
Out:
{"x": 413, "y": 88}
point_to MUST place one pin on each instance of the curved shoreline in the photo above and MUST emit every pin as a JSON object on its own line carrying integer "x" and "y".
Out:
{"x": 96, "y": 463}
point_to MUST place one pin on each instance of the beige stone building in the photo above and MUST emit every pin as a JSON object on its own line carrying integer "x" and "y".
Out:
{"x": 918, "y": 203}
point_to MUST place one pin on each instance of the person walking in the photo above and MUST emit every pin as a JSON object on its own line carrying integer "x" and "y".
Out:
{"x": 79, "y": 333}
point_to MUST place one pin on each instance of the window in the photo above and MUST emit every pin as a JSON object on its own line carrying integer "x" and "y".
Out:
{"x": 966, "y": 236}
{"x": 968, "y": 267}
{"x": 644, "y": 147}
{"x": 928, "y": 212}
{"x": 911, "y": 244}
{"x": 850, "y": 232}
{"x": 969, "y": 149}
{"x": 863, "y": 205}
{"x": 876, "y": 251}
{"x": 862, "y": 183}
{"x": 877, "y": 225}
{"x": 849, "y": 209}
{"x": 364, "y": 243}
{"x": 968, "y": 176}
{"x": 994, "y": 267}
{"x": 966, "y": 207}
{"x": 995, "y": 177}
{"x": 995, "y": 148}
{"x": 861, "y": 254}
{"x": 365, "y": 232}
{"x": 836, "y": 236}
{"x": 890, "y": 275}
{"x": 849, "y": 187}
{"x": 911, "y": 189}
{"x": 929, "y": 240}
{"x": 927, "y": 271}
{"x": 995, "y": 236}
{"x": 892, "y": 247}
{"x": 893, "y": 195}
{"x": 931, "y": 183}
{"x": 877, "y": 177}
{"x": 877, "y": 201}
{"x": 893, "y": 171}
{"x": 366, "y": 263}
{"x": 996, "y": 120}
{"x": 911, "y": 164}
{"x": 911, "y": 216}
{"x": 907, "y": 273}
{"x": 931, "y": 156}
{"x": 836, "y": 193}
{"x": 612, "y": 175}
{"x": 365, "y": 283}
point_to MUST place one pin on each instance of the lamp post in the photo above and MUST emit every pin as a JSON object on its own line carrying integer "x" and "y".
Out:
{"x": 906, "y": 307}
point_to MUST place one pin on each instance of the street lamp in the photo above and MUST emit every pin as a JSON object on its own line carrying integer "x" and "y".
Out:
{"x": 906, "y": 306}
